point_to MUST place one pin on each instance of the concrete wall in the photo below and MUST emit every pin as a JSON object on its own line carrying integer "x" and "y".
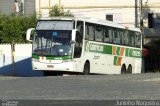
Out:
{"x": 22, "y": 58}
{"x": 29, "y": 7}
{"x": 7, "y": 6}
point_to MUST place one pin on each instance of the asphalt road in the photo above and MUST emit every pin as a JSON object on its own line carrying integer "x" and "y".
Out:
{"x": 81, "y": 87}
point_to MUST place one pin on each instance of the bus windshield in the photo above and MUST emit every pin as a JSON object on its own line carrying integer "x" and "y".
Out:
{"x": 55, "y": 42}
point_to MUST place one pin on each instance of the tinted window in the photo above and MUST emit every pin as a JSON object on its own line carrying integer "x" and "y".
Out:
{"x": 89, "y": 31}
{"x": 98, "y": 33}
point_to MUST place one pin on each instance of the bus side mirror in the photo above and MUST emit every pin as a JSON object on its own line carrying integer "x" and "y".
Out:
{"x": 30, "y": 34}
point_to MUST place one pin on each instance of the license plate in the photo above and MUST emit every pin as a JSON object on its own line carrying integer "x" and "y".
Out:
{"x": 50, "y": 66}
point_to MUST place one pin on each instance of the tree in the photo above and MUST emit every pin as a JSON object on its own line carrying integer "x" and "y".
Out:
{"x": 13, "y": 28}
{"x": 59, "y": 11}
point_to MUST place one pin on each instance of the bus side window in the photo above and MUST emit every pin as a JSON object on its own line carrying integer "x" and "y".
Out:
{"x": 116, "y": 36}
{"x": 86, "y": 32}
{"x": 137, "y": 39}
{"x": 99, "y": 33}
{"x": 110, "y": 35}
{"x": 126, "y": 37}
{"x": 131, "y": 39}
{"x": 123, "y": 37}
{"x": 89, "y": 33}
{"x": 80, "y": 27}
{"x": 106, "y": 34}
{"x": 78, "y": 45}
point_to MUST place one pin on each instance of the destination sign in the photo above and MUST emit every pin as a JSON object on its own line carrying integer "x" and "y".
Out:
{"x": 54, "y": 25}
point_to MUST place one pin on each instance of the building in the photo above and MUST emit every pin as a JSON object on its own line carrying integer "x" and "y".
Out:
{"x": 25, "y": 7}
{"x": 119, "y": 12}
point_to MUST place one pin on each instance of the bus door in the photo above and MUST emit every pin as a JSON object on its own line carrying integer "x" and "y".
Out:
{"x": 78, "y": 50}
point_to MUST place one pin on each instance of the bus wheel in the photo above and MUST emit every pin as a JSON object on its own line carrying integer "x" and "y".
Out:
{"x": 123, "y": 69}
{"x": 86, "y": 69}
{"x": 129, "y": 69}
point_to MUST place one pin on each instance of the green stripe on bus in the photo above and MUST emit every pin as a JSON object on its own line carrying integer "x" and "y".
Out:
{"x": 118, "y": 51}
{"x": 58, "y": 57}
{"x": 135, "y": 53}
{"x": 107, "y": 49}
{"x": 115, "y": 60}
{"x": 126, "y": 52}
{"x": 98, "y": 48}
{"x": 35, "y": 56}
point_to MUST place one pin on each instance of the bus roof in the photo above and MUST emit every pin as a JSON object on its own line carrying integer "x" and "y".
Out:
{"x": 93, "y": 20}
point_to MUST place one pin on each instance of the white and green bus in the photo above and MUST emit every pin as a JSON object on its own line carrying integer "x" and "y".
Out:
{"x": 85, "y": 45}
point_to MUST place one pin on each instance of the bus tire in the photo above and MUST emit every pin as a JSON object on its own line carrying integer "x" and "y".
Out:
{"x": 86, "y": 69}
{"x": 129, "y": 69}
{"x": 123, "y": 69}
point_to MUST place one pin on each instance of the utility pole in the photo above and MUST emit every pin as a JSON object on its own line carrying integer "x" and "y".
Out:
{"x": 141, "y": 27}
{"x": 23, "y": 7}
{"x": 13, "y": 58}
{"x": 59, "y": 3}
{"x": 136, "y": 13}
{"x": 141, "y": 14}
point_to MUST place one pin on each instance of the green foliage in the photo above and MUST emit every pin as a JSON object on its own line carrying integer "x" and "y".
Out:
{"x": 13, "y": 28}
{"x": 59, "y": 11}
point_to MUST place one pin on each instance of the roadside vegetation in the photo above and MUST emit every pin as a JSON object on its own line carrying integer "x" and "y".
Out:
{"x": 59, "y": 11}
{"x": 13, "y": 28}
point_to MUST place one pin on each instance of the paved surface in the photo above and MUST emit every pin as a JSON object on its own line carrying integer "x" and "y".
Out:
{"x": 93, "y": 87}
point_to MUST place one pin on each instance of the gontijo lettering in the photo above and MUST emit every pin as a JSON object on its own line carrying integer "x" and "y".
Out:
{"x": 136, "y": 53}
{"x": 96, "y": 48}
